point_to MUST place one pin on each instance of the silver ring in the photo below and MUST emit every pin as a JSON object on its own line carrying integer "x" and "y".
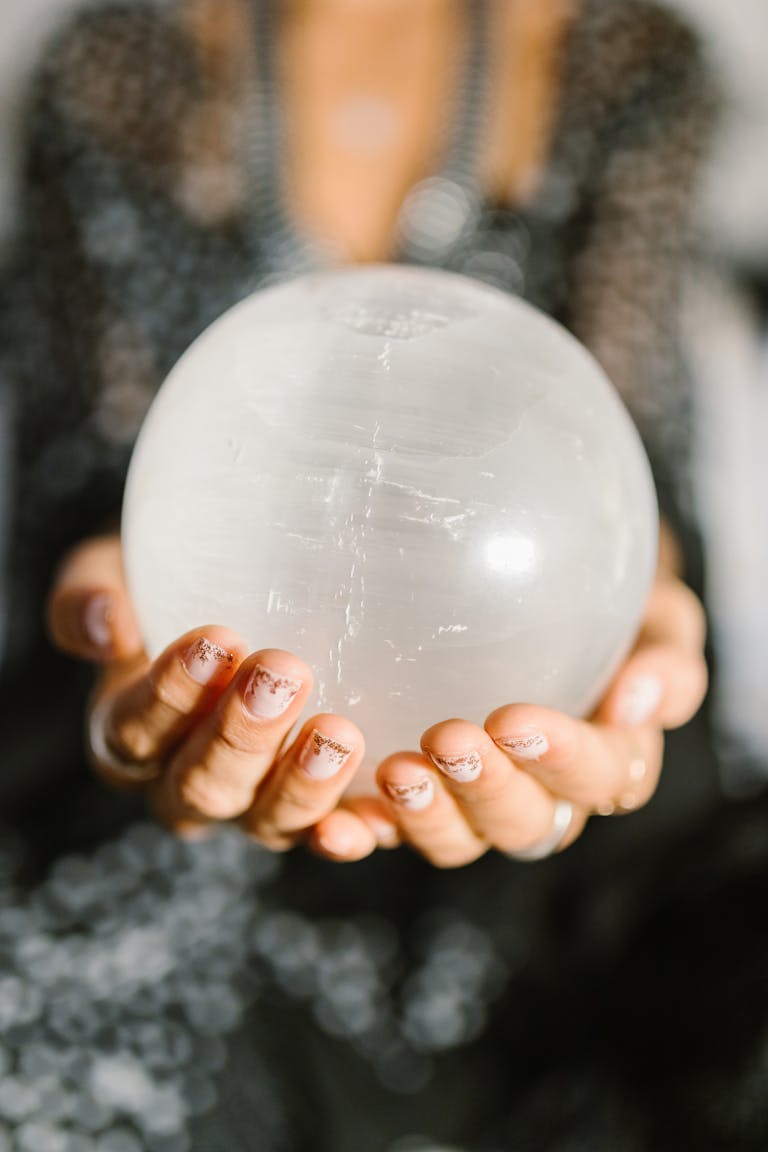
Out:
{"x": 106, "y": 756}
{"x": 562, "y": 818}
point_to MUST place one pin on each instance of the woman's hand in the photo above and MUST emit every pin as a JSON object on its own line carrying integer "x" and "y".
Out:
{"x": 204, "y": 727}
{"x": 527, "y": 781}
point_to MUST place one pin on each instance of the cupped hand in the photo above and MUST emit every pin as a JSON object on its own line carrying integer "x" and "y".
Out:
{"x": 205, "y": 728}
{"x": 527, "y": 781}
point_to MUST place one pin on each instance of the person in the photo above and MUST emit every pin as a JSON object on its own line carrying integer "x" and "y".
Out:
{"x": 182, "y": 156}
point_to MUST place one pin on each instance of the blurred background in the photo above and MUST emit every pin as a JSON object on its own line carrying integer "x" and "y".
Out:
{"x": 727, "y": 335}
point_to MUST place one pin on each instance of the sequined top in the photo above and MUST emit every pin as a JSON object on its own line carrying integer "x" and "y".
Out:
{"x": 124, "y": 257}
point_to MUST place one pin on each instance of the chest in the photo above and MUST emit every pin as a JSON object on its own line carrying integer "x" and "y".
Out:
{"x": 372, "y": 92}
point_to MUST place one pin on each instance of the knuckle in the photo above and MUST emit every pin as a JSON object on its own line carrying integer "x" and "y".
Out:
{"x": 200, "y": 791}
{"x": 571, "y": 766}
{"x": 289, "y": 814}
{"x": 168, "y": 691}
{"x": 238, "y": 735}
{"x": 487, "y": 799}
{"x": 293, "y": 799}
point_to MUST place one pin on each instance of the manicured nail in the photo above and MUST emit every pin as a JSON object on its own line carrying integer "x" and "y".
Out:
{"x": 322, "y": 756}
{"x": 530, "y": 744}
{"x": 462, "y": 768}
{"x": 98, "y": 615}
{"x": 267, "y": 694}
{"x": 417, "y": 795}
{"x": 640, "y": 700}
{"x": 386, "y": 834}
{"x": 204, "y": 660}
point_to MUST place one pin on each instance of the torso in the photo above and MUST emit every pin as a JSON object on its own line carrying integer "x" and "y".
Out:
{"x": 144, "y": 180}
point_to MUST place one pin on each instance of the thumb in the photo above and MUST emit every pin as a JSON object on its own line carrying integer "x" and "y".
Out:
{"x": 89, "y": 613}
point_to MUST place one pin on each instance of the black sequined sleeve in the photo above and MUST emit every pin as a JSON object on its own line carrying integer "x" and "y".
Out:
{"x": 85, "y": 316}
{"x": 638, "y": 136}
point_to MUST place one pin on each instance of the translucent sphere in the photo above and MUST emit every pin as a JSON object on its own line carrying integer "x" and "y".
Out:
{"x": 423, "y": 486}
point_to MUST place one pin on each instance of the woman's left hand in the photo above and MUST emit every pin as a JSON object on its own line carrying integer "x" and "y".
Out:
{"x": 529, "y": 779}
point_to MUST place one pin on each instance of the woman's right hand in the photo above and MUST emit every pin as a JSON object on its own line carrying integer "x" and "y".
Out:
{"x": 204, "y": 728}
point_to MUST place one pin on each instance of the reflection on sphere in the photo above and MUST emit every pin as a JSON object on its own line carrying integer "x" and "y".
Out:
{"x": 421, "y": 485}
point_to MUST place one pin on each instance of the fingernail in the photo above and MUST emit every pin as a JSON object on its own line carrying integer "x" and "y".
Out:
{"x": 530, "y": 744}
{"x": 268, "y": 695}
{"x": 462, "y": 768}
{"x": 322, "y": 756}
{"x": 204, "y": 660}
{"x": 98, "y": 615}
{"x": 417, "y": 795}
{"x": 640, "y": 701}
{"x": 386, "y": 834}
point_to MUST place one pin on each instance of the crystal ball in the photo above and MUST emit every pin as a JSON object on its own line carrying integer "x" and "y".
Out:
{"x": 423, "y": 486}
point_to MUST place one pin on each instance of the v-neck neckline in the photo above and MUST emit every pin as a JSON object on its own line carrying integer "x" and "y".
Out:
{"x": 438, "y": 214}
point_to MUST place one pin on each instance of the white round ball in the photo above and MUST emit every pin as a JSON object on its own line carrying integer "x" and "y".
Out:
{"x": 424, "y": 487}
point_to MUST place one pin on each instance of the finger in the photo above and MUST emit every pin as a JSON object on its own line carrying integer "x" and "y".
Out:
{"x": 171, "y": 819}
{"x": 661, "y": 684}
{"x": 89, "y": 613}
{"x": 343, "y": 836}
{"x": 308, "y": 780}
{"x": 377, "y": 817}
{"x": 595, "y": 767}
{"x": 428, "y": 817}
{"x": 501, "y": 803}
{"x": 216, "y": 772}
{"x": 670, "y": 558}
{"x": 159, "y": 706}
{"x": 673, "y": 615}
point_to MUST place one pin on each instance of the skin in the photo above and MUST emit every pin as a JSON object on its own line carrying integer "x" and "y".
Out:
{"x": 202, "y": 756}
